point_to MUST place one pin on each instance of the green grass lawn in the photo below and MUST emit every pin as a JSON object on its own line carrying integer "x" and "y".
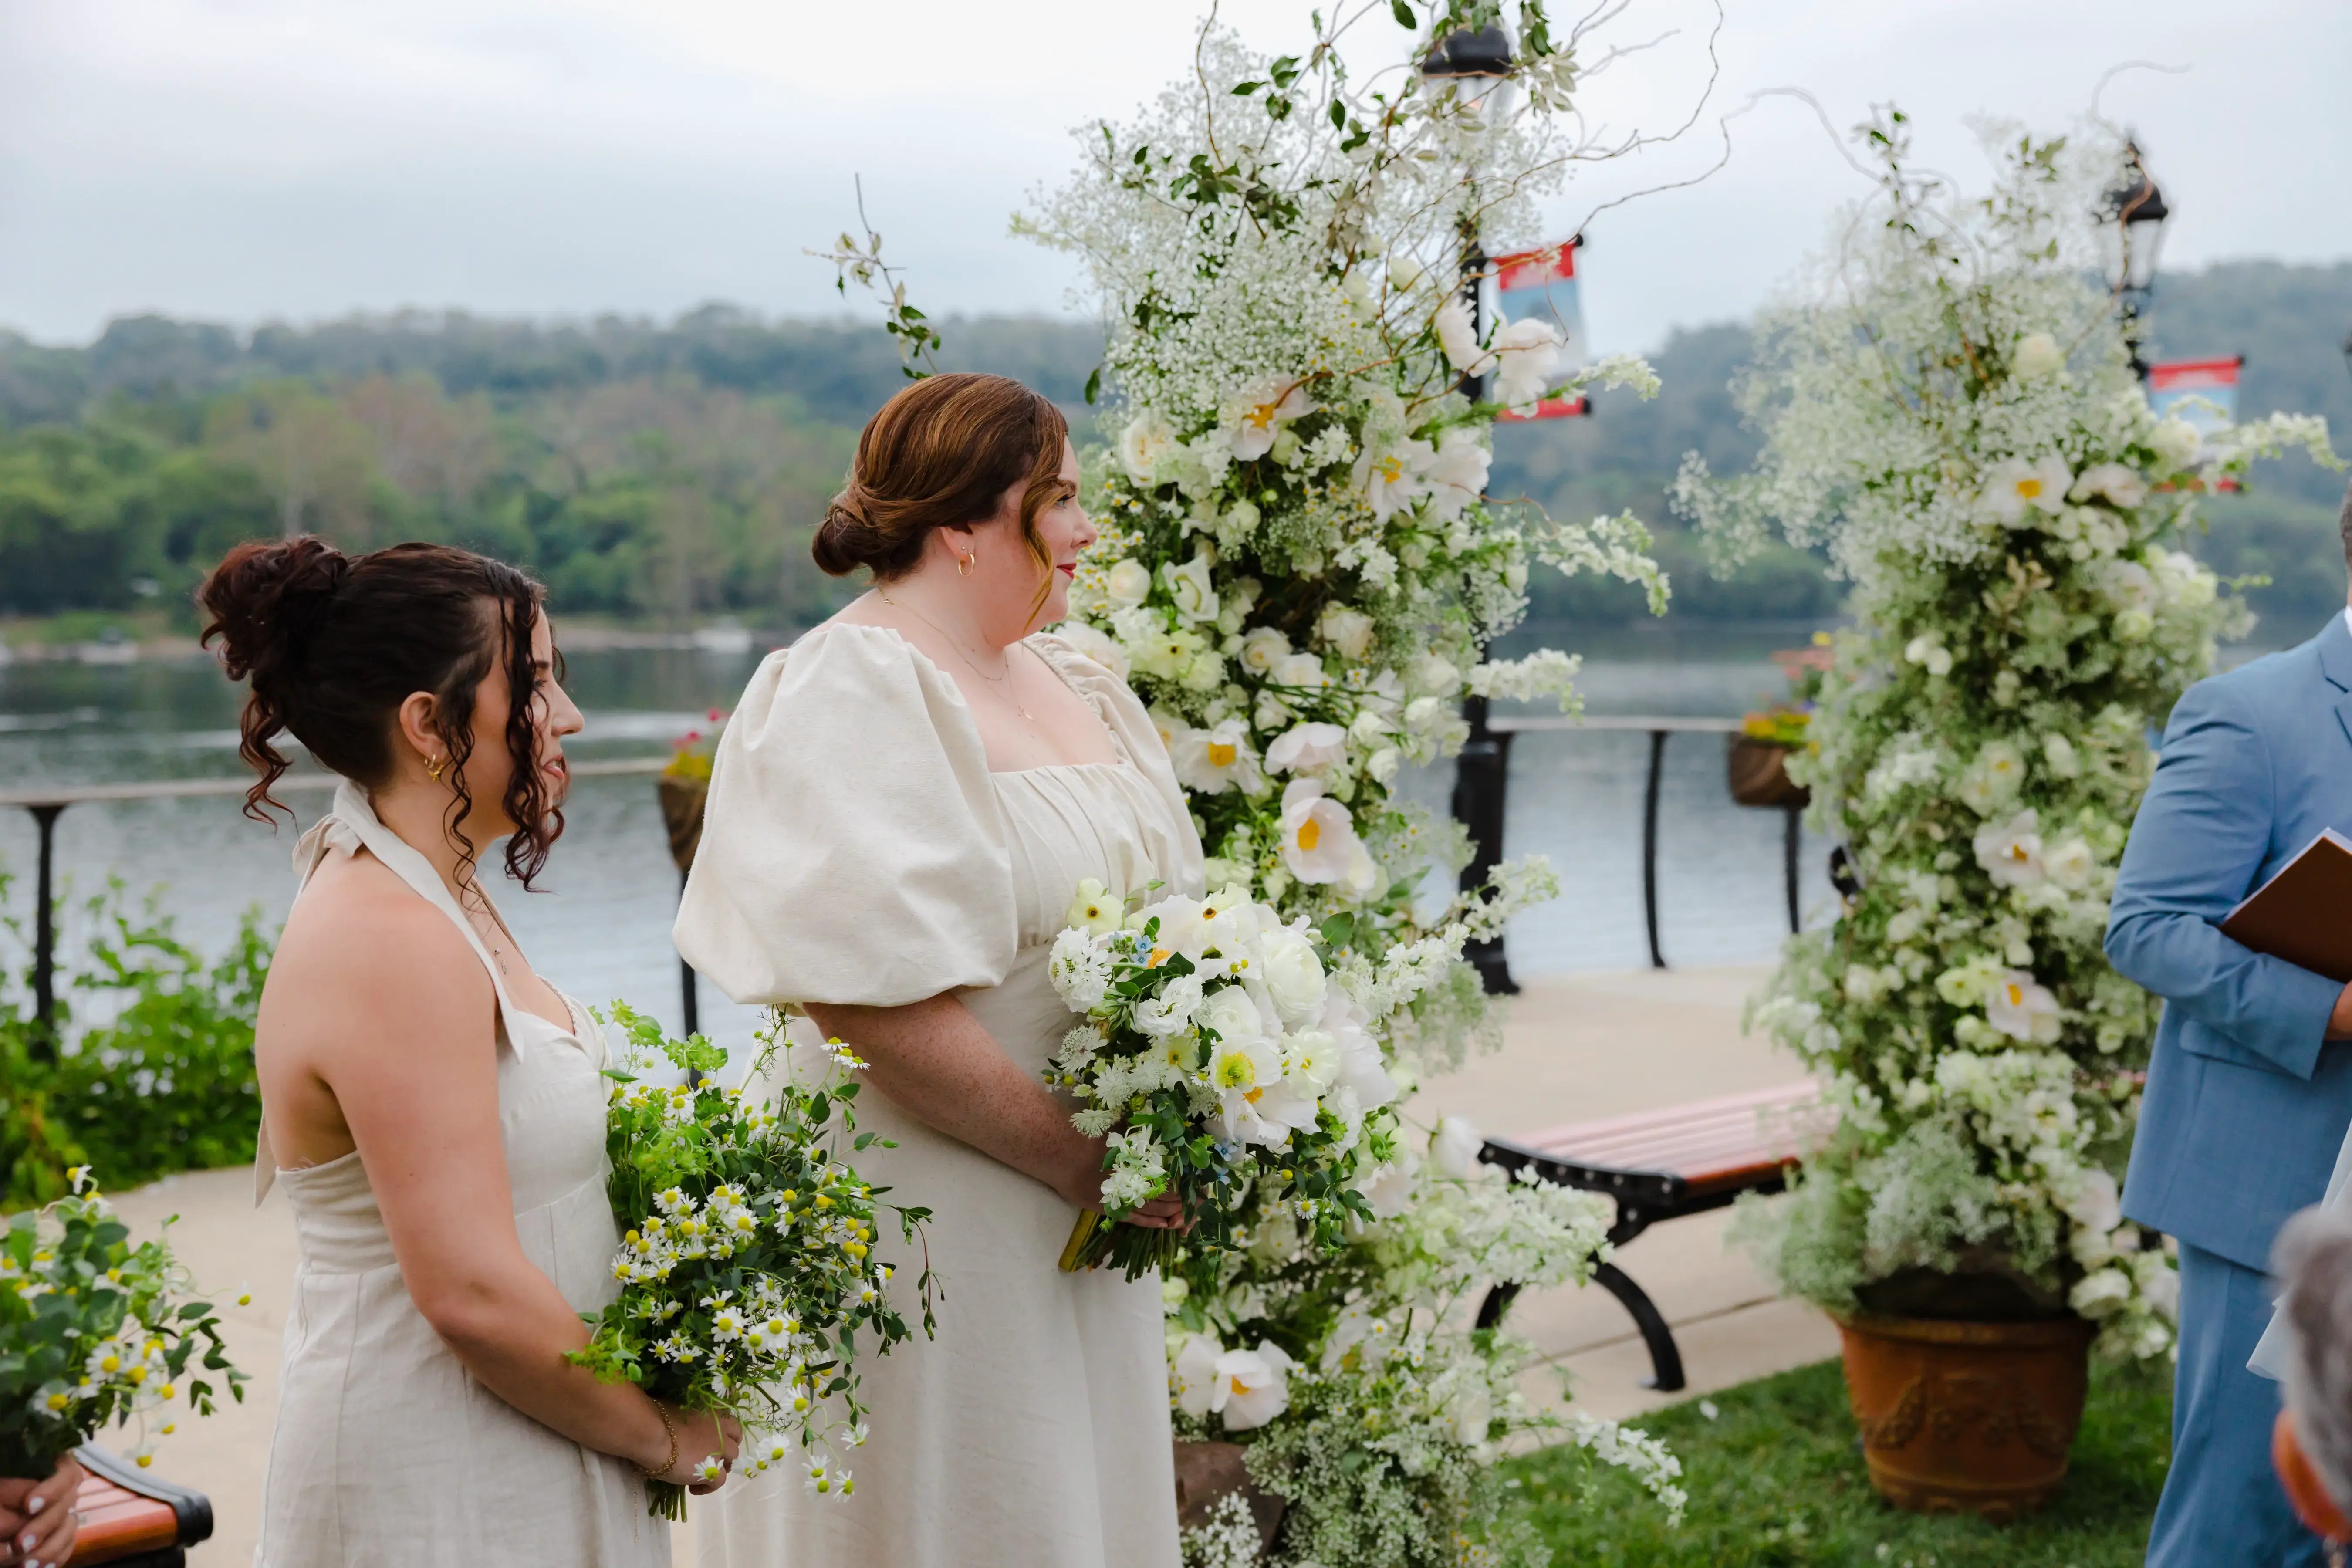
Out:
{"x": 1776, "y": 1479}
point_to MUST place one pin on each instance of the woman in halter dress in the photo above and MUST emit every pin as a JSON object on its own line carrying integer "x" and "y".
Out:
{"x": 432, "y": 1109}
{"x": 900, "y": 813}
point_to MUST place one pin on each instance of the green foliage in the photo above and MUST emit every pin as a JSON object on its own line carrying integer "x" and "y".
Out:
{"x": 94, "y": 1331}
{"x": 1776, "y": 1481}
{"x": 165, "y": 1084}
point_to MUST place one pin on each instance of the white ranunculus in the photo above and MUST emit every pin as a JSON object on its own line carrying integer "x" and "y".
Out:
{"x": 2176, "y": 441}
{"x": 1256, "y": 414}
{"x": 1318, "y": 836}
{"x": 1171, "y": 1012}
{"x": 1458, "y": 337}
{"x": 1096, "y": 644}
{"x": 1216, "y": 759}
{"x": 1527, "y": 363}
{"x": 1308, "y": 748}
{"x": 1263, "y": 649}
{"x": 1392, "y": 478}
{"x": 2038, "y": 354}
{"x": 1347, "y": 630}
{"x": 1234, "y": 1016}
{"x": 1293, "y": 975}
{"x": 2022, "y": 1009}
{"x": 2015, "y": 490}
{"x": 1456, "y": 1146}
{"x": 2011, "y": 852}
{"x": 1253, "y": 1386}
{"x": 1146, "y": 442}
{"x": 2095, "y": 1203}
{"x": 2122, "y": 487}
{"x": 2071, "y": 864}
{"x": 1128, "y": 582}
{"x": 1194, "y": 1374}
{"x": 1388, "y": 1189}
{"x": 1458, "y": 476}
{"x": 2101, "y": 1293}
{"x": 1189, "y": 588}
{"x": 1300, "y": 669}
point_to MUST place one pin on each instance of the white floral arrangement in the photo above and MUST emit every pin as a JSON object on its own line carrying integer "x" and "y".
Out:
{"x": 1957, "y": 423}
{"x": 1380, "y": 1425}
{"x": 1222, "y": 1066}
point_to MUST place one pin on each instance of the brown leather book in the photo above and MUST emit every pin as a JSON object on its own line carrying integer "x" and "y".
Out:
{"x": 2303, "y": 914}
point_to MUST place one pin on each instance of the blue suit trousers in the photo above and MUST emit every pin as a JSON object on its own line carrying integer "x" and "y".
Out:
{"x": 2222, "y": 1505}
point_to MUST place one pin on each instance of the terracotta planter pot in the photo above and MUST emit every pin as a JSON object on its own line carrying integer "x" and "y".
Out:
{"x": 1967, "y": 1417}
{"x": 1206, "y": 1473}
{"x": 1758, "y": 776}
{"x": 682, "y": 800}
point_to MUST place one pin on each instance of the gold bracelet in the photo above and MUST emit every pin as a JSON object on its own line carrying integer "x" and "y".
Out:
{"x": 670, "y": 1426}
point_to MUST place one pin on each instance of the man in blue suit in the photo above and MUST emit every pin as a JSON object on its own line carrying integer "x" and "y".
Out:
{"x": 2247, "y": 1102}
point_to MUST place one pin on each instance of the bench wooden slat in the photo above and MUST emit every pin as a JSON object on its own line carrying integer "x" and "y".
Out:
{"x": 1707, "y": 1141}
{"x": 120, "y": 1523}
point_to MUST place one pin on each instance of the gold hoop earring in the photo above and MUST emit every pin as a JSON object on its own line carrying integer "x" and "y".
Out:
{"x": 432, "y": 769}
{"x": 965, "y": 564}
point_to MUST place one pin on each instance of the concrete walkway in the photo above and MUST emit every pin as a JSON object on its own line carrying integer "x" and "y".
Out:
{"x": 1577, "y": 1046}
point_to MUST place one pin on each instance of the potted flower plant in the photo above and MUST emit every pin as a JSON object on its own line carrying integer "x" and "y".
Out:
{"x": 1957, "y": 422}
{"x": 684, "y": 787}
{"x": 1757, "y": 762}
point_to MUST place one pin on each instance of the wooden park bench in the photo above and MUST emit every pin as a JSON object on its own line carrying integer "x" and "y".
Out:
{"x": 1661, "y": 1165}
{"x": 132, "y": 1519}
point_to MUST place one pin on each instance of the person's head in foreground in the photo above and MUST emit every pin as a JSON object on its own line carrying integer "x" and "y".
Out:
{"x": 2312, "y": 1443}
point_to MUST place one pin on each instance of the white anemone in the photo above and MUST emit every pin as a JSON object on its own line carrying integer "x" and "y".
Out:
{"x": 1392, "y": 479}
{"x": 1318, "y": 837}
{"x": 2011, "y": 852}
{"x": 1216, "y": 759}
{"x": 1458, "y": 476}
{"x": 1308, "y": 748}
{"x": 1259, "y": 411}
{"x": 1527, "y": 354}
{"x": 2016, "y": 488}
{"x": 2022, "y": 1009}
{"x": 1252, "y": 1387}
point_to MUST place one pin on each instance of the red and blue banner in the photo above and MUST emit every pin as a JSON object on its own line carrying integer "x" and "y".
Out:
{"x": 1542, "y": 284}
{"x": 2203, "y": 393}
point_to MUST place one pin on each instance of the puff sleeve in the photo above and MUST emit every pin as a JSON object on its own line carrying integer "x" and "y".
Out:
{"x": 852, "y": 849}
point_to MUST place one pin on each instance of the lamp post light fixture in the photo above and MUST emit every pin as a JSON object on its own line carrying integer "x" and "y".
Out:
{"x": 2132, "y": 217}
{"x": 1475, "y": 65}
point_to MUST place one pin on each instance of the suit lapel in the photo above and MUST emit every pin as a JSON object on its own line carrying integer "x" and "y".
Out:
{"x": 2335, "y": 644}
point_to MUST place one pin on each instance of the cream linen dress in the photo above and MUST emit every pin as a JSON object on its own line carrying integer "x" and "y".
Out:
{"x": 387, "y": 1453}
{"x": 858, "y": 849}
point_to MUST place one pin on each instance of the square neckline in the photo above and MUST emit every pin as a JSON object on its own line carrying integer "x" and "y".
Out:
{"x": 1118, "y": 758}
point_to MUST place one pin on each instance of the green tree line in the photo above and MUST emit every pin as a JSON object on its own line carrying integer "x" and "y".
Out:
{"x": 666, "y": 471}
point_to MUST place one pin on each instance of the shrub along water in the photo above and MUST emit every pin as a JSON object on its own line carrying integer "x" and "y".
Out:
{"x": 164, "y": 1083}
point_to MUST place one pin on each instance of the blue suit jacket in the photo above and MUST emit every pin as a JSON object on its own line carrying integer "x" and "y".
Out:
{"x": 2244, "y": 1110}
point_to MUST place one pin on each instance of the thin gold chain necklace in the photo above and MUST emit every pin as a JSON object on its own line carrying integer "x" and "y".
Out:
{"x": 996, "y": 681}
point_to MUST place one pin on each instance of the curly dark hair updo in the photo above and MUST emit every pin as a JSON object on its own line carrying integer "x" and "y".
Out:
{"x": 334, "y": 644}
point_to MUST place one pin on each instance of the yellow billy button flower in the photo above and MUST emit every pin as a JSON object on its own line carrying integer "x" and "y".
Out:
{"x": 59, "y": 1401}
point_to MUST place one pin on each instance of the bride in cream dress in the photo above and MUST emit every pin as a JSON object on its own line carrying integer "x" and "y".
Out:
{"x": 901, "y": 810}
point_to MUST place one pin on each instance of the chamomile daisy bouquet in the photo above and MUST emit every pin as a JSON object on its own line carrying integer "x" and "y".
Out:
{"x": 95, "y": 1331}
{"x": 749, "y": 1286}
{"x": 1224, "y": 1066}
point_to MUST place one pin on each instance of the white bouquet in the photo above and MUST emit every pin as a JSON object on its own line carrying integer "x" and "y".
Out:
{"x": 1224, "y": 1064}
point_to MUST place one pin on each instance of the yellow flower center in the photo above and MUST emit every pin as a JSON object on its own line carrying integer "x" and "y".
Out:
{"x": 2029, "y": 487}
{"x": 1159, "y": 957}
{"x": 1221, "y": 755}
{"x": 1390, "y": 469}
{"x": 2017, "y": 853}
{"x": 1262, "y": 415}
{"x": 1310, "y": 833}
{"x": 1235, "y": 1072}
{"x": 2016, "y": 995}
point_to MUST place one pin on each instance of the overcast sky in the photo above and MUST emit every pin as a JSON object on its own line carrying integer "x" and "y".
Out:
{"x": 245, "y": 159}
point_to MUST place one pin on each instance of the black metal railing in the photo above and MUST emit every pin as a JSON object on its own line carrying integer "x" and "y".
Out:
{"x": 1481, "y": 795}
{"x": 47, "y": 803}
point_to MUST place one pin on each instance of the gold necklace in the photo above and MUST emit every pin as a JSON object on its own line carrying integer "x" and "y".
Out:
{"x": 996, "y": 681}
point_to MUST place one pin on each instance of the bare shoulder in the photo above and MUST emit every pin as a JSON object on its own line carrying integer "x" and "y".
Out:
{"x": 361, "y": 948}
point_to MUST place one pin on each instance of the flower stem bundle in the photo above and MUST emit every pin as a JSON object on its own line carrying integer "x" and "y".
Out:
{"x": 747, "y": 1275}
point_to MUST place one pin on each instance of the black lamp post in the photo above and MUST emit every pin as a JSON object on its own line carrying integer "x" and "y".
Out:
{"x": 1475, "y": 67}
{"x": 2132, "y": 217}
{"x": 2347, "y": 353}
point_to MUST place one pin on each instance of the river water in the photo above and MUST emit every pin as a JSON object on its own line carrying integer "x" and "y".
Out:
{"x": 600, "y": 928}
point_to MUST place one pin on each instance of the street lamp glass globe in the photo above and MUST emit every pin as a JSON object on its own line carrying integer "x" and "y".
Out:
{"x": 2132, "y": 219}
{"x": 1477, "y": 64}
